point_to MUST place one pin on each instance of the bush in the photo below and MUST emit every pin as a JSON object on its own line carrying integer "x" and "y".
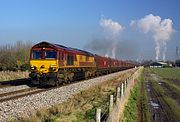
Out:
{"x": 15, "y": 57}
{"x": 25, "y": 67}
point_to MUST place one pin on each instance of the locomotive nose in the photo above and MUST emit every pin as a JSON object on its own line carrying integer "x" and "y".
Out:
{"x": 43, "y": 69}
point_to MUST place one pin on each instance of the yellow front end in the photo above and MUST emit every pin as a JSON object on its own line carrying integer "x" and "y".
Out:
{"x": 44, "y": 66}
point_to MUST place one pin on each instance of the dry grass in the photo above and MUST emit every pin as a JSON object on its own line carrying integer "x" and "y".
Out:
{"x": 10, "y": 75}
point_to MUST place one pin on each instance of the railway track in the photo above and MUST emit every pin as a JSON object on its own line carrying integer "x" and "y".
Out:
{"x": 28, "y": 91}
{"x": 16, "y": 92}
{"x": 20, "y": 93}
{"x": 4, "y": 84}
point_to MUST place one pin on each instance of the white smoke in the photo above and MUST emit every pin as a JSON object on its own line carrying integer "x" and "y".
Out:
{"x": 112, "y": 31}
{"x": 161, "y": 31}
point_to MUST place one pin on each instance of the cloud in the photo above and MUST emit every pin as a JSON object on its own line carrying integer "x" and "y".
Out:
{"x": 111, "y": 26}
{"x": 161, "y": 30}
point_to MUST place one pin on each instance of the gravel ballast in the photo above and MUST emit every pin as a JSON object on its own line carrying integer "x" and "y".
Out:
{"x": 25, "y": 105}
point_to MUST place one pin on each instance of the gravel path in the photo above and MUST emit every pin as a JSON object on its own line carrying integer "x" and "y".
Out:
{"x": 12, "y": 88}
{"x": 24, "y": 106}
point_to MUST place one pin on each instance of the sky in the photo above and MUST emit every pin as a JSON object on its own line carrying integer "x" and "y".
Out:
{"x": 78, "y": 24}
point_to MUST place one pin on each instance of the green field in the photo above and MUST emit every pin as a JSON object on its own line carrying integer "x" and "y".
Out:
{"x": 172, "y": 73}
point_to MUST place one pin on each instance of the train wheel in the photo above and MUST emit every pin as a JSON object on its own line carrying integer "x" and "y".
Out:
{"x": 60, "y": 82}
{"x": 56, "y": 84}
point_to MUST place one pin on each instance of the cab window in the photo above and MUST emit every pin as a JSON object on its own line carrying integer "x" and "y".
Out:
{"x": 50, "y": 54}
{"x": 37, "y": 54}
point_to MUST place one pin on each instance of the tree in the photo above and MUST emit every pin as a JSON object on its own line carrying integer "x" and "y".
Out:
{"x": 15, "y": 57}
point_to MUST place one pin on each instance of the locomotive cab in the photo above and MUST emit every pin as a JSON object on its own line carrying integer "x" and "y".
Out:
{"x": 43, "y": 63}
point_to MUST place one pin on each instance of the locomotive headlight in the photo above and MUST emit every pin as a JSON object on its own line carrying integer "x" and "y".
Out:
{"x": 53, "y": 67}
{"x": 33, "y": 67}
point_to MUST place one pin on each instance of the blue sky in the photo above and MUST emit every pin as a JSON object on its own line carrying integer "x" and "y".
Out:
{"x": 76, "y": 23}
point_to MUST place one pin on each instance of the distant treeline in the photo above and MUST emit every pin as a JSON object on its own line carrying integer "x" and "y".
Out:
{"x": 15, "y": 57}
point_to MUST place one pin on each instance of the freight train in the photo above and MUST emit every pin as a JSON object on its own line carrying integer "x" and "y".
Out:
{"x": 54, "y": 64}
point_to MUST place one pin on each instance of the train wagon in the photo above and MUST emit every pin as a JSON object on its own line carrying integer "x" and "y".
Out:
{"x": 103, "y": 65}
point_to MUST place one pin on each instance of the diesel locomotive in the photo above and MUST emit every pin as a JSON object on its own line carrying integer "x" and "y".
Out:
{"x": 54, "y": 64}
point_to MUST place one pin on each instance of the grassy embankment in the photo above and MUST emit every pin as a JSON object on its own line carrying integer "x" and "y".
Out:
{"x": 81, "y": 107}
{"x": 10, "y": 75}
{"x": 137, "y": 106}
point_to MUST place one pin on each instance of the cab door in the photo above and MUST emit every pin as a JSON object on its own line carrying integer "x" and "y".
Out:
{"x": 61, "y": 58}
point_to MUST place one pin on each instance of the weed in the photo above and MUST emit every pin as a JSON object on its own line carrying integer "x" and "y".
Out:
{"x": 10, "y": 75}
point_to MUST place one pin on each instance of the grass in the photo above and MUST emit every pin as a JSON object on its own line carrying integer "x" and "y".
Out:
{"x": 137, "y": 106}
{"x": 172, "y": 73}
{"x": 131, "y": 109}
{"x": 81, "y": 107}
{"x": 168, "y": 74}
{"x": 10, "y": 75}
{"x": 172, "y": 86}
{"x": 174, "y": 110}
{"x": 143, "y": 108}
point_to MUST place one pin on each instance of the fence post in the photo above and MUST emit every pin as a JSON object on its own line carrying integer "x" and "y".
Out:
{"x": 125, "y": 85}
{"x": 98, "y": 115}
{"x": 110, "y": 103}
{"x": 122, "y": 91}
{"x": 117, "y": 94}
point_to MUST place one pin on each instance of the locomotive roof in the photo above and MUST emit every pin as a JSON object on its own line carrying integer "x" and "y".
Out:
{"x": 57, "y": 46}
{"x": 74, "y": 49}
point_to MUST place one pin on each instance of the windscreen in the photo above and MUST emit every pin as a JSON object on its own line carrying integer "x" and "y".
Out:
{"x": 37, "y": 54}
{"x": 50, "y": 54}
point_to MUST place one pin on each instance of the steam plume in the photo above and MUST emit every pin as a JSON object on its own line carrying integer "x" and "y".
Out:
{"x": 161, "y": 31}
{"x": 111, "y": 30}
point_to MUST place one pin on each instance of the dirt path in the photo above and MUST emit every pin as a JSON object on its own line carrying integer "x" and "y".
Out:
{"x": 160, "y": 110}
{"x": 157, "y": 107}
